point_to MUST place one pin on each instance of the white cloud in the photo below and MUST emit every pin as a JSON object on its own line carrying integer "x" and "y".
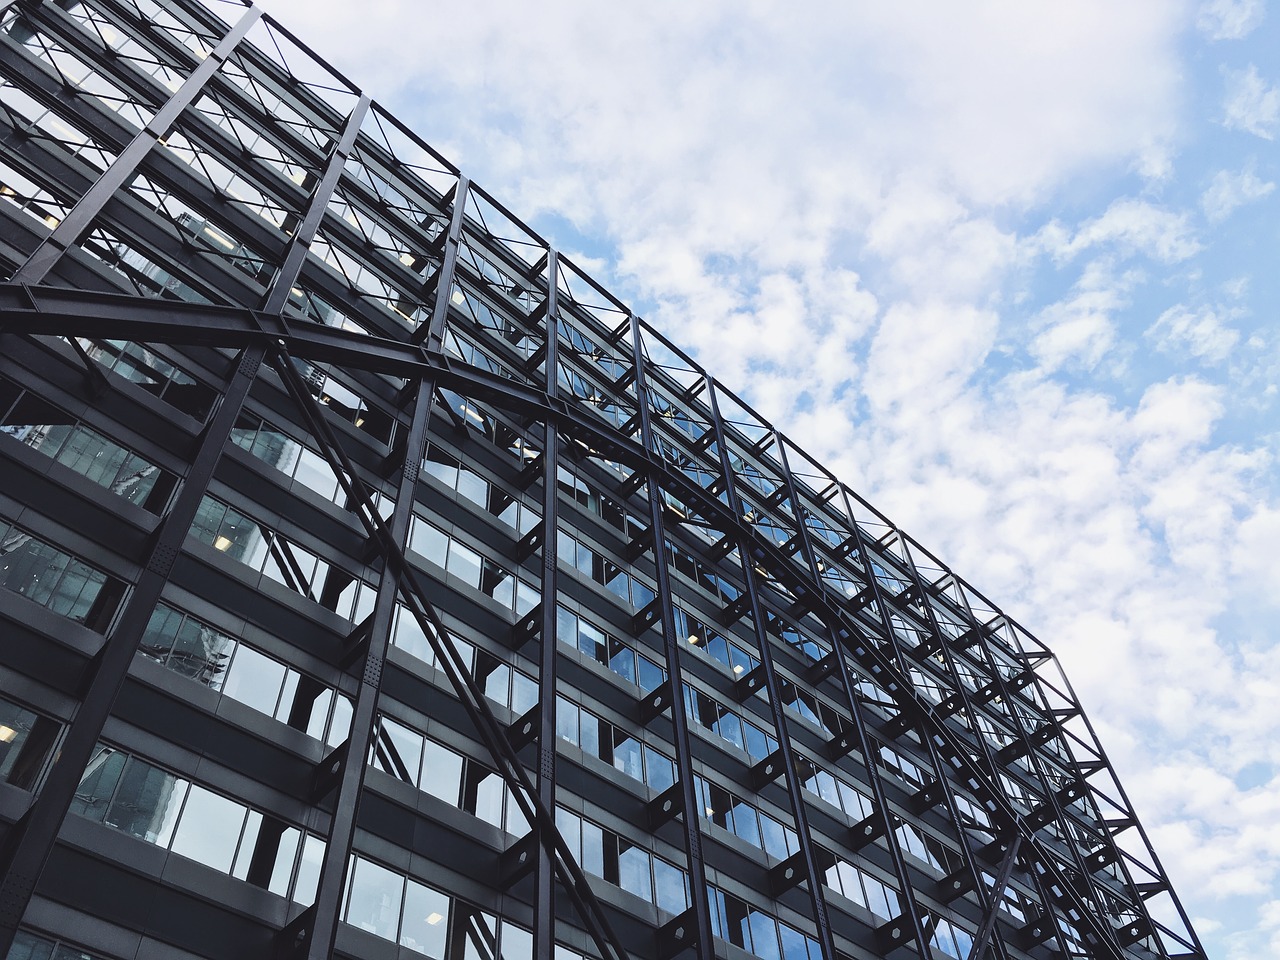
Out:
{"x": 1251, "y": 104}
{"x": 1131, "y": 227}
{"x": 836, "y": 206}
{"x": 1202, "y": 333}
{"x": 1229, "y": 19}
{"x": 1229, "y": 191}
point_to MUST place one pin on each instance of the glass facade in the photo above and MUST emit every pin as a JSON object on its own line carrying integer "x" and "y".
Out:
{"x": 376, "y": 584}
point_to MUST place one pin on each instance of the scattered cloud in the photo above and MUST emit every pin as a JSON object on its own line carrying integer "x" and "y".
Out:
{"x": 1230, "y": 19}
{"x": 1229, "y": 191}
{"x": 927, "y": 240}
{"x": 1203, "y": 334}
{"x": 1251, "y": 104}
{"x": 1130, "y": 226}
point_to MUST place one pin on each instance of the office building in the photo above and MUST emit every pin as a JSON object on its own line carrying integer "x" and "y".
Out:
{"x": 377, "y": 585}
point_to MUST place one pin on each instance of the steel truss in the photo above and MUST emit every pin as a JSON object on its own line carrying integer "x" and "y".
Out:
{"x": 57, "y": 312}
{"x": 337, "y": 239}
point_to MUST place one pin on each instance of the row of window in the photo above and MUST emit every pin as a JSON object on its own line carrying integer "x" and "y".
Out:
{"x": 607, "y": 650}
{"x": 862, "y": 888}
{"x": 613, "y": 745}
{"x": 472, "y": 486}
{"x": 420, "y": 918}
{"x": 617, "y": 860}
{"x": 144, "y": 801}
{"x": 277, "y": 449}
{"x": 192, "y": 648}
{"x": 724, "y": 809}
{"x": 154, "y": 374}
{"x": 55, "y": 579}
{"x": 499, "y": 681}
{"x": 703, "y": 574}
{"x": 699, "y": 636}
{"x": 476, "y": 571}
{"x": 576, "y": 555}
{"x": 573, "y": 487}
{"x": 742, "y": 925}
{"x": 822, "y": 783}
{"x": 727, "y": 724}
{"x": 48, "y": 430}
{"x": 459, "y": 781}
{"x": 268, "y": 552}
{"x": 28, "y": 946}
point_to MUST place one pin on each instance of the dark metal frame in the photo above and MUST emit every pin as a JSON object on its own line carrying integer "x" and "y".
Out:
{"x": 1031, "y": 844}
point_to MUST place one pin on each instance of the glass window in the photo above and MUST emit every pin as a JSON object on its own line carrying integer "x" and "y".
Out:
{"x": 26, "y": 739}
{"x": 98, "y": 783}
{"x": 425, "y": 923}
{"x": 669, "y": 885}
{"x": 441, "y": 772}
{"x": 374, "y": 899}
{"x": 210, "y": 828}
{"x": 146, "y": 802}
{"x": 255, "y": 680}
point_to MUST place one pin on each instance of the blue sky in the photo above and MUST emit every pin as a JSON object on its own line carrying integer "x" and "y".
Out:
{"x": 1008, "y": 267}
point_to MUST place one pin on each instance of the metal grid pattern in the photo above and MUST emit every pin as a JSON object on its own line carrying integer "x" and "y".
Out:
{"x": 396, "y": 442}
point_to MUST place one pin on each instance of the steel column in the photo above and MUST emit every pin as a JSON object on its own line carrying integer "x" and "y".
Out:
{"x": 812, "y": 874}
{"x": 32, "y": 839}
{"x": 544, "y": 884}
{"x": 87, "y": 208}
{"x": 701, "y": 938}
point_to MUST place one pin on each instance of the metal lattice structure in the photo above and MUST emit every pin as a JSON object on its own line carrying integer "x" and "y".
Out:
{"x": 377, "y": 584}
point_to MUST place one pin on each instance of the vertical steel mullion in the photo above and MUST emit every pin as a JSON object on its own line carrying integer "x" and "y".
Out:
{"x": 812, "y": 873}
{"x": 992, "y": 761}
{"x": 32, "y": 838}
{"x": 675, "y": 683}
{"x": 878, "y": 796}
{"x": 989, "y": 761}
{"x": 988, "y": 900}
{"x": 811, "y": 558}
{"x": 322, "y": 932}
{"x": 472, "y": 698}
{"x": 277, "y": 298}
{"x": 324, "y": 921}
{"x": 544, "y": 883}
{"x": 86, "y": 209}
{"x": 444, "y": 276}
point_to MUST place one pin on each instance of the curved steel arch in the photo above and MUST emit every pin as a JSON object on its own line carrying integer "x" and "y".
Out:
{"x": 66, "y": 313}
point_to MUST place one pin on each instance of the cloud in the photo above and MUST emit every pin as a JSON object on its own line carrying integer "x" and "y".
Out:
{"x": 1229, "y": 19}
{"x": 1251, "y": 104}
{"x": 1229, "y": 191}
{"x": 869, "y": 217}
{"x": 1202, "y": 334}
{"x": 1131, "y": 227}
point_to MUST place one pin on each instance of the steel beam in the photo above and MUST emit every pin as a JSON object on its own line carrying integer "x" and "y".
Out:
{"x": 31, "y": 840}
{"x": 700, "y": 937}
{"x": 812, "y": 873}
{"x": 87, "y": 208}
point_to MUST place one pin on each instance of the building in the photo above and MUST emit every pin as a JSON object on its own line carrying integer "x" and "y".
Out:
{"x": 377, "y": 585}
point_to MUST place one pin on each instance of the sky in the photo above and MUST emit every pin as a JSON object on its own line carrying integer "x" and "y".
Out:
{"x": 1007, "y": 267}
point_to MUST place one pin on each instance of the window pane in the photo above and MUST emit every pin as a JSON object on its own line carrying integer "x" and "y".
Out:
{"x": 147, "y": 802}
{"x": 375, "y": 898}
{"x": 669, "y": 885}
{"x": 209, "y": 828}
{"x": 255, "y": 680}
{"x": 464, "y": 563}
{"x": 304, "y": 890}
{"x": 426, "y": 913}
{"x": 98, "y": 783}
{"x": 441, "y": 772}
{"x": 633, "y": 870}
